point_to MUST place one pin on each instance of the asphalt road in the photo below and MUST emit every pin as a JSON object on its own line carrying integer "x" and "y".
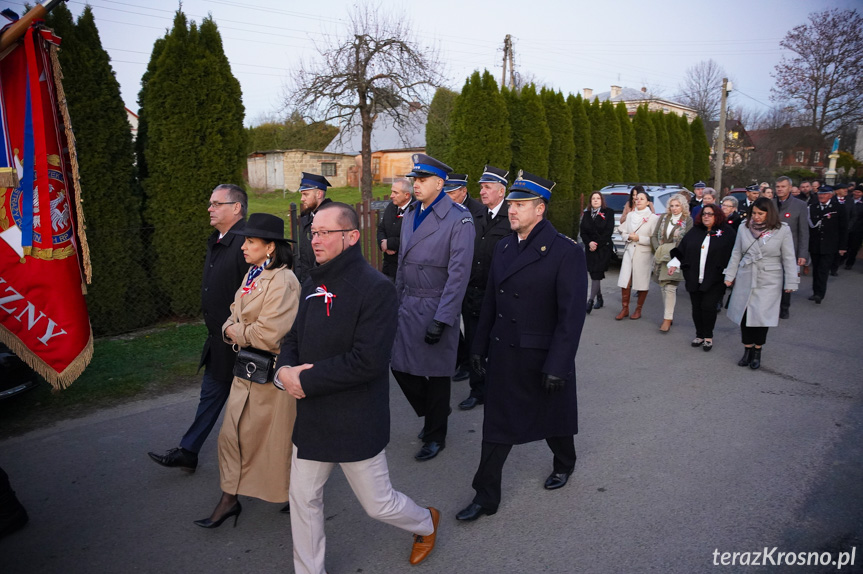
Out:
{"x": 681, "y": 453}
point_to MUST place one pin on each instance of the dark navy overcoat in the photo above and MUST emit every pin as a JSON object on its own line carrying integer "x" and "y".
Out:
{"x": 530, "y": 324}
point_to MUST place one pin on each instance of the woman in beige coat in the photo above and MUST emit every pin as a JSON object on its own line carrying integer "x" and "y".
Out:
{"x": 255, "y": 441}
{"x": 672, "y": 226}
{"x": 637, "y": 262}
{"x": 762, "y": 266}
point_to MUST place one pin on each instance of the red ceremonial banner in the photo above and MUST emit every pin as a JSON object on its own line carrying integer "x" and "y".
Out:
{"x": 43, "y": 315}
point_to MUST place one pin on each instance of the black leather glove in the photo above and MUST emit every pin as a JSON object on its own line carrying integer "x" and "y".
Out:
{"x": 476, "y": 365}
{"x": 552, "y": 384}
{"x": 434, "y": 332}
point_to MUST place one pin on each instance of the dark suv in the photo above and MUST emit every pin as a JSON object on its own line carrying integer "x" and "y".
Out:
{"x": 15, "y": 376}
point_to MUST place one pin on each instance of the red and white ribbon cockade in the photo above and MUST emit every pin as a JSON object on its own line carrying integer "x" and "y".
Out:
{"x": 322, "y": 292}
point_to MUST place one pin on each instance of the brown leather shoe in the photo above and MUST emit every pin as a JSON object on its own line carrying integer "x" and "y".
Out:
{"x": 423, "y": 545}
{"x": 666, "y": 325}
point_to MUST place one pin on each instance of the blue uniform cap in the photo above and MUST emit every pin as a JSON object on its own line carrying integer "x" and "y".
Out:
{"x": 425, "y": 166}
{"x": 493, "y": 174}
{"x": 455, "y": 181}
{"x": 312, "y": 181}
{"x": 700, "y": 184}
{"x": 529, "y": 186}
{"x": 825, "y": 189}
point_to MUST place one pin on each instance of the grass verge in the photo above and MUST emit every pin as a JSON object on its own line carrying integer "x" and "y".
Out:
{"x": 274, "y": 202}
{"x": 130, "y": 367}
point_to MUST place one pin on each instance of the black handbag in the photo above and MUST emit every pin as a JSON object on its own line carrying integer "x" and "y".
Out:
{"x": 255, "y": 365}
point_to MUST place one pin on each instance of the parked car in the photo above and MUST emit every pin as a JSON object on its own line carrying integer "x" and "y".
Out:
{"x": 15, "y": 376}
{"x": 617, "y": 194}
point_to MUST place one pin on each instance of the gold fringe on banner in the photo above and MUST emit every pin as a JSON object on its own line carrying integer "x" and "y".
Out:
{"x": 8, "y": 177}
{"x": 59, "y": 381}
{"x": 76, "y": 178}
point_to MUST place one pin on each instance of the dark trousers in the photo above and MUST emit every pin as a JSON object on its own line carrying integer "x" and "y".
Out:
{"x": 214, "y": 393}
{"x": 477, "y": 382}
{"x": 855, "y": 239}
{"x": 486, "y": 481}
{"x": 785, "y": 302}
{"x": 462, "y": 356}
{"x": 821, "y": 263}
{"x": 704, "y": 309}
{"x": 752, "y": 335}
{"x": 429, "y": 397}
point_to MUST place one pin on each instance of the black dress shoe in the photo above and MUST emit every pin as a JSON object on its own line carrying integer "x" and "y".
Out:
{"x": 556, "y": 480}
{"x": 286, "y": 509}
{"x": 599, "y": 302}
{"x": 430, "y": 450}
{"x": 812, "y": 297}
{"x": 177, "y": 457}
{"x": 472, "y": 512}
{"x": 589, "y": 306}
{"x": 461, "y": 374}
{"x": 817, "y": 300}
{"x": 783, "y": 313}
{"x": 469, "y": 403}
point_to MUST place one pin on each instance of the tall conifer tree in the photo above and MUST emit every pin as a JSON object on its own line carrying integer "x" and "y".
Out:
{"x": 686, "y": 136}
{"x": 627, "y": 136}
{"x": 561, "y": 156}
{"x": 663, "y": 152}
{"x": 645, "y": 145}
{"x": 675, "y": 145}
{"x": 583, "y": 159}
{"x": 439, "y": 126}
{"x": 598, "y": 141}
{"x": 480, "y": 129}
{"x": 613, "y": 144}
{"x": 531, "y": 136}
{"x": 119, "y": 299}
{"x": 700, "y": 151}
{"x": 195, "y": 140}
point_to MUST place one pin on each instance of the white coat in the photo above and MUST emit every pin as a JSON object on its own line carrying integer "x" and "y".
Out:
{"x": 637, "y": 262}
{"x": 768, "y": 266}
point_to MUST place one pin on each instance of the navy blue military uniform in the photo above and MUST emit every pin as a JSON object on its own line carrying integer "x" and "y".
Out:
{"x": 305, "y": 259}
{"x": 828, "y": 235}
{"x": 529, "y": 329}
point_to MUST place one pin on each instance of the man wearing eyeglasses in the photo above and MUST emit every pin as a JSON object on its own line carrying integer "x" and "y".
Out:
{"x": 224, "y": 268}
{"x": 334, "y": 362}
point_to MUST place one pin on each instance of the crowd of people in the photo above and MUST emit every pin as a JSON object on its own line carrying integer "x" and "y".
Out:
{"x": 756, "y": 248}
{"x": 301, "y": 344}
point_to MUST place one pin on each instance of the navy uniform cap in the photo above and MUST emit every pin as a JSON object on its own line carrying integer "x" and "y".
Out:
{"x": 491, "y": 174}
{"x": 700, "y": 184}
{"x": 312, "y": 181}
{"x": 840, "y": 186}
{"x": 529, "y": 186}
{"x": 825, "y": 189}
{"x": 455, "y": 181}
{"x": 425, "y": 166}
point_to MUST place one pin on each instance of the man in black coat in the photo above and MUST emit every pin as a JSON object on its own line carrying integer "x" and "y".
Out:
{"x": 335, "y": 362}
{"x": 843, "y": 201}
{"x": 224, "y": 269}
{"x": 313, "y": 189}
{"x": 492, "y": 224}
{"x": 697, "y": 196}
{"x": 456, "y": 188}
{"x": 529, "y": 330}
{"x": 828, "y": 235}
{"x": 855, "y": 226}
{"x": 390, "y": 224}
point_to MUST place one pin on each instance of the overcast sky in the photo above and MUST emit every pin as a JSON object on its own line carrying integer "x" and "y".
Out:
{"x": 568, "y": 45}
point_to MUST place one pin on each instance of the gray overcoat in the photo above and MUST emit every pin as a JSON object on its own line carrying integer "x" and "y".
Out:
{"x": 768, "y": 266}
{"x": 433, "y": 271}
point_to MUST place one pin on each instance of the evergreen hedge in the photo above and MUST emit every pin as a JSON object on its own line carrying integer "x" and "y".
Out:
{"x": 531, "y": 136}
{"x": 561, "y": 160}
{"x": 645, "y": 144}
{"x": 613, "y": 143}
{"x": 582, "y": 182}
{"x": 700, "y": 152}
{"x": 598, "y": 139}
{"x": 439, "y": 126}
{"x": 194, "y": 141}
{"x": 627, "y": 136}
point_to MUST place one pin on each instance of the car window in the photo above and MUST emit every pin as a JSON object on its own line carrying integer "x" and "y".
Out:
{"x": 616, "y": 201}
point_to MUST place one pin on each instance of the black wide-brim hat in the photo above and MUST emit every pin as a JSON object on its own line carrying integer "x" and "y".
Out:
{"x": 264, "y": 226}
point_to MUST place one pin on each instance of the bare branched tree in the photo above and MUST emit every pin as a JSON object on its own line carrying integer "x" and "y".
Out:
{"x": 702, "y": 89}
{"x": 823, "y": 77}
{"x": 377, "y": 67}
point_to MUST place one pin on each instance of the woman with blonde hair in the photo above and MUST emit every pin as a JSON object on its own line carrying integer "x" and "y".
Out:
{"x": 672, "y": 226}
{"x": 637, "y": 262}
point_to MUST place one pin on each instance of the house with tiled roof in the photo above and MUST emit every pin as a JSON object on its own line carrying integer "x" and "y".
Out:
{"x": 789, "y": 147}
{"x": 633, "y": 98}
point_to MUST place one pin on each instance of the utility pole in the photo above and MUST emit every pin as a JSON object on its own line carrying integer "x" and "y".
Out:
{"x": 505, "y": 57}
{"x": 720, "y": 145}
{"x": 511, "y": 64}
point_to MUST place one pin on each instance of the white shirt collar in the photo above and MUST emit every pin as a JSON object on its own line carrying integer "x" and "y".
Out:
{"x": 496, "y": 209}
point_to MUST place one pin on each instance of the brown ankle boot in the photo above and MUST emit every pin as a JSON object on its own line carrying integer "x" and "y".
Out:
{"x": 624, "y": 297}
{"x": 642, "y": 295}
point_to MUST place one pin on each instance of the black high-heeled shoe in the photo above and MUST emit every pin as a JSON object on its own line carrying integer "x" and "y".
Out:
{"x": 234, "y": 511}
